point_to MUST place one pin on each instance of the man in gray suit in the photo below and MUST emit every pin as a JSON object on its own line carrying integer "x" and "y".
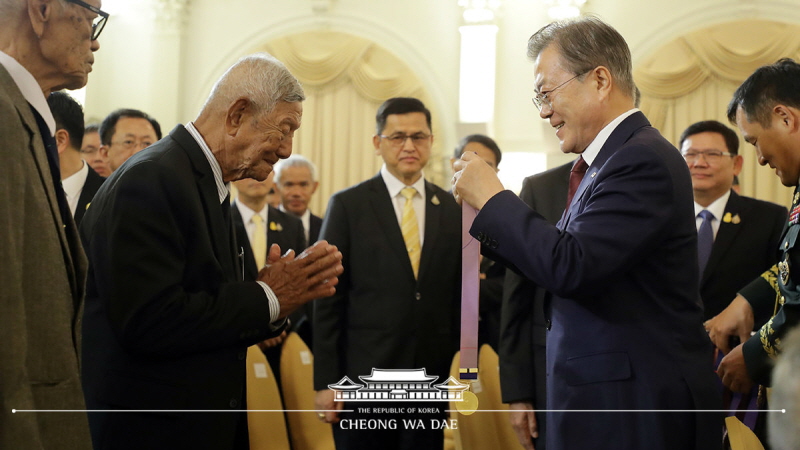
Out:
{"x": 45, "y": 45}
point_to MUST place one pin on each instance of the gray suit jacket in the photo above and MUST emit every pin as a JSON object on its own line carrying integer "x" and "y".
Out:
{"x": 43, "y": 281}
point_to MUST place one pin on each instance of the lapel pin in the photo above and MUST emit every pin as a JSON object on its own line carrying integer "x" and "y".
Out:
{"x": 727, "y": 217}
{"x": 87, "y": 205}
{"x": 435, "y": 200}
{"x": 275, "y": 226}
{"x": 736, "y": 219}
{"x": 593, "y": 174}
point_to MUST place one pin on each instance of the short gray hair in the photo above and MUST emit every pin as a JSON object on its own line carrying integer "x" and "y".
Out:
{"x": 259, "y": 77}
{"x": 783, "y": 426}
{"x": 295, "y": 161}
{"x": 586, "y": 43}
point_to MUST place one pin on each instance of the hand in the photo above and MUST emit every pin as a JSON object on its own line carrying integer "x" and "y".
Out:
{"x": 298, "y": 280}
{"x": 272, "y": 342}
{"x": 733, "y": 371}
{"x": 475, "y": 182}
{"x": 523, "y": 420}
{"x": 324, "y": 401}
{"x": 735, "y": 320}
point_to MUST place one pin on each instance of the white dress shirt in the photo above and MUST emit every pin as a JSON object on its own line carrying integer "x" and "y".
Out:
{"x": 73, "y": 186}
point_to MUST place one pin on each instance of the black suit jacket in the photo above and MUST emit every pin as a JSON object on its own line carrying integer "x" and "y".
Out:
{"x": 168, "y": 319}
{"x": 316, "y": 226}
{"x": 523, "y": 325}
{"x": 90, "y": 187}
{"x": 743, "y": 249}
{"x": 381, "y": 317}
{"x": 626, "y": 318}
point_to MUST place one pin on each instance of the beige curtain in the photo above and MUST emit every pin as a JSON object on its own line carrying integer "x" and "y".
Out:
{"x": 346, "y": 78}
{"x": 693, "y": 79}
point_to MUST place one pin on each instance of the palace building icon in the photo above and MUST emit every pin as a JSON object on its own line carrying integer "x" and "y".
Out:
{"x": 399, "y": 385}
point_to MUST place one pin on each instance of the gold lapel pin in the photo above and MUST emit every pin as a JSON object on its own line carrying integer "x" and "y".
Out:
{"x": 435, "y": 200}
{"x": 727, "y": 217}
{"x": 275, "y": 226}
{"x": 736, "y": 219}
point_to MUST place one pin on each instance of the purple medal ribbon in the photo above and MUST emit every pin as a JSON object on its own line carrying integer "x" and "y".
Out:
{"x": 470, "y": 288}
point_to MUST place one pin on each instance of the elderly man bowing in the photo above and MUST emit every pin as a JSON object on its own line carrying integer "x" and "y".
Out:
{"x": 625, "y": 322}
{"x": 168, "y": 315}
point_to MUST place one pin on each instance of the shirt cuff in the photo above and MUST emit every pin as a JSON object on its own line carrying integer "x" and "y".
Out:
{"x": 274, "y": 307}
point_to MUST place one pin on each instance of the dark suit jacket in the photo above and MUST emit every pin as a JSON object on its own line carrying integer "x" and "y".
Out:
{"x": 523, "y": 325}
{"x": 742, "y": 251}
{"x": 316, "y": 226}
{"x": 168, "y": 319}
{"x": 381, "y": 317}
{"x": 90, "y": 187}
{"x": 42, "y": 287}
{"x": 626, "y": 317}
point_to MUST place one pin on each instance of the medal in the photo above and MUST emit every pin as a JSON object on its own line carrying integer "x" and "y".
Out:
{"x": 783, "y": 270}
{"x": 469, "y": 405}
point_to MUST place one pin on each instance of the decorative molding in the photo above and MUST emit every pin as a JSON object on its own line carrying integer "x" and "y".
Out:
{"x": 170, "y": 14}
{"x": 321, "y": 6}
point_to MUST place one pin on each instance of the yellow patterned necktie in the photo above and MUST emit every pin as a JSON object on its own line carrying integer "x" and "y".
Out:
{"x": 410, "y": 228}
{"x": 259, "y": 241}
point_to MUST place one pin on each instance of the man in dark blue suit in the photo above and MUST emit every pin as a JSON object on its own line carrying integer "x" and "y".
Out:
{"x": 625, "y": 321}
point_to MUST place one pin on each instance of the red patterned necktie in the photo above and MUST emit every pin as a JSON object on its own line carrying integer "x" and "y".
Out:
{"x": 575, "y": 177}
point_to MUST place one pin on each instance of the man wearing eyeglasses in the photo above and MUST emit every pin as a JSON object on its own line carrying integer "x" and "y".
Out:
{"x": 45, "y": 46}
{"x": 126, "y": 132}
{"x": 744, "y": 232}
{"x": 625, "y": 336}
{"x": 397, "y": 302}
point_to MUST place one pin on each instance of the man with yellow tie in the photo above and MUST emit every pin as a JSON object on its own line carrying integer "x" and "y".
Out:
{"x": 258, "y": 226}
{"x": 397, "y": 303}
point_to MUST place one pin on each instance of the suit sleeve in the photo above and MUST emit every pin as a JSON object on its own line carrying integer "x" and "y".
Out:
{"x": 329, "y": 314}
{"x": 159, "y": 303}
{"x": 616, "y": 230}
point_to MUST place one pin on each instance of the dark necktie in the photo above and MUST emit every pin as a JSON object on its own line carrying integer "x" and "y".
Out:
{"x": 705, "y": 238}
{"x": 51, "y": 149}
{"x": 575, "y": 177}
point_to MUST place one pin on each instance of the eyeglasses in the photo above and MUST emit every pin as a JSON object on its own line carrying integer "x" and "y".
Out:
{"x": 130, "y": 144}
{"x": 541, "y": 99}
{"x": 89, "y": 150}
{"x": 711, "y": 156}
{"x": 99, "y": 22}
{"x": 398, "y": 140}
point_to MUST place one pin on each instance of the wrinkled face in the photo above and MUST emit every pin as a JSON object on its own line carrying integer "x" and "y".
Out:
{"x": 254, "y": 190}
{"x": 775, "y": 146}
{"x": 131, "y": 135}
{"x": 296, "y": 188}
{"x": 260, "y": 141}
{"x": 407, "y": 159}
{"x": 711, "y": 175}
{"x": 574, "y": 113}
{"x": 90, "y": 151}
{"x": 66, "y": 44}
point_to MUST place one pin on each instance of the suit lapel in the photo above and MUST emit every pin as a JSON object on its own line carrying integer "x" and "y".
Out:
{"x": 618, "y": 137}
{"x": 384, "y": 211}
{"x": 433, "y": 215}
{"x": 206, "y": 185}
{"x": 250, "y": 269}
{"x": 725, "y": 236}
{"x": 90, "y": 187}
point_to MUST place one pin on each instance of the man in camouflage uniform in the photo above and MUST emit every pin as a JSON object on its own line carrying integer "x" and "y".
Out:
{"x": 766, "y": 108}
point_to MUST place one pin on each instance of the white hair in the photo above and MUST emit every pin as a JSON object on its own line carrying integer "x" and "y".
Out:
{"x": 260, "y": 78}
{"x": 295, "y": 161}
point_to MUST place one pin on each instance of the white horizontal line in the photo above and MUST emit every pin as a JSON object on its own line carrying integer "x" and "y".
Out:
{"x": 14, "y": 411}
{"x": 625, "y": 410}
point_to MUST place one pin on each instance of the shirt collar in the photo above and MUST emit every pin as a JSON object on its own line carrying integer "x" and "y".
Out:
{"x": 247, "y": 213}
{"x": 73, "y": 184}
{"x": 594, "y": 148}
{"x": 30, "y": 89}
{"x": 395, "y": 186}
{"x": 717, "y": 207}
{"x": 222, "y": 188}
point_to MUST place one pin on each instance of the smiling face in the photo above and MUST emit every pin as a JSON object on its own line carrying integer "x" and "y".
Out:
{"x": 406, "y": 161}
{"x": 575, "y": 113}
{"x": 257, "y": 141}
{"x": 711, "y": 179}
{"x": 66, "y": 45}
{"x": 777, "y": 146}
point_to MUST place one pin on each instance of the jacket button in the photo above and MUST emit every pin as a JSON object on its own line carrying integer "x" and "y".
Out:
{"x": 418, "y": 296}
{"x": 548, "y": 324}
{"x": 234, "y": 403}
{"x": 481, "y": 237}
